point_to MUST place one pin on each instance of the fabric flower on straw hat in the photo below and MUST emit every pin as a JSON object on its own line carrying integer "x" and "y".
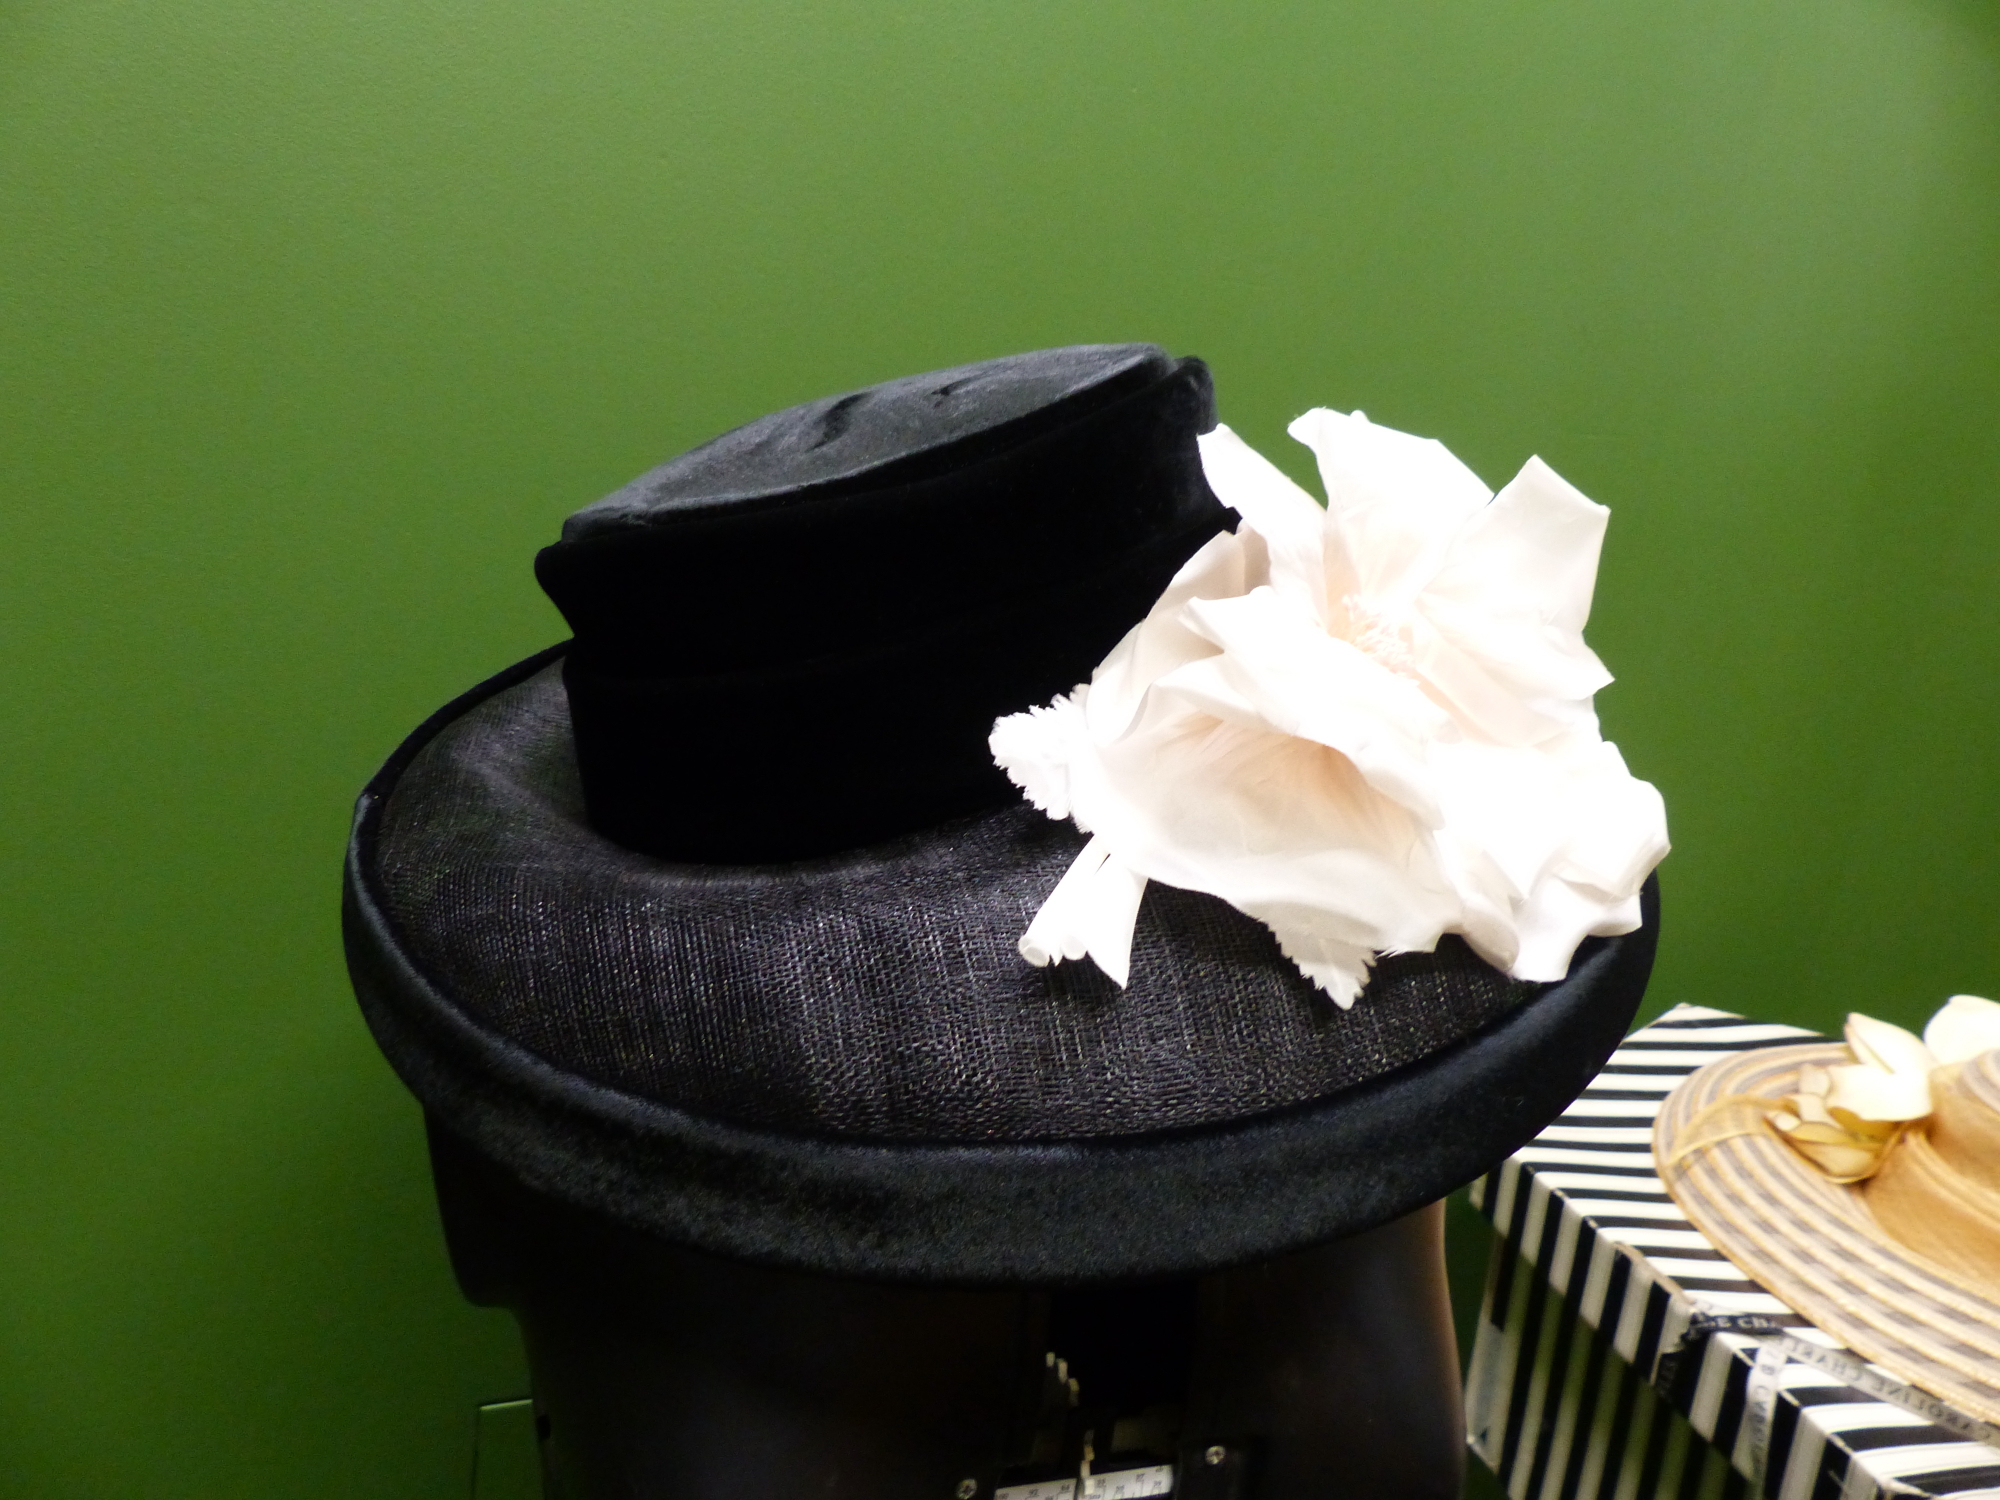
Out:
{"x": 1365, "y": 724}
{"x": 1860, "y": 1183}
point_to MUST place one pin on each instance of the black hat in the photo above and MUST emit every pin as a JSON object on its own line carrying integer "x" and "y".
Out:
{"x": 707, "y": 919}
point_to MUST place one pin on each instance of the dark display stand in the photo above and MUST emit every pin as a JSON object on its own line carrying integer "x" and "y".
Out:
{"x": 659, "y": 1372}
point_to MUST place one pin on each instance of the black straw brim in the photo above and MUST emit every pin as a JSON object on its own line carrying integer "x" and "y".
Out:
{"x": 1112, "y": 1207}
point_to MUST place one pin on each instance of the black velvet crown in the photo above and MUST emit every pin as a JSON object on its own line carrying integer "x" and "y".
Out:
{"x": 707, "y": 919}
{"x": 796, "y": 638}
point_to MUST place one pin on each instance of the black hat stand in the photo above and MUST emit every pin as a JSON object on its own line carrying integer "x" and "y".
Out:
{"x": 661, "y": 1373}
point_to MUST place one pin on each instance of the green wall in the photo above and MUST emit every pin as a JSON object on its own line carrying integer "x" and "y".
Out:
{"x": 316, "y": 319}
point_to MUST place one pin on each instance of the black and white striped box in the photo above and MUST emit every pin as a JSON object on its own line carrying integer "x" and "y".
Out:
{"x": 1593, "y": 1377}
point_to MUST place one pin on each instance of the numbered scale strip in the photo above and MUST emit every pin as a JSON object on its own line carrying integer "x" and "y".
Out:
{"x": 1123, "y": 1484}
{"x": 1619, "y": 1270}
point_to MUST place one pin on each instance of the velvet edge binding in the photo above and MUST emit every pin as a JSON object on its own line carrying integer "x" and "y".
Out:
{"x": 1043, "y": 1213}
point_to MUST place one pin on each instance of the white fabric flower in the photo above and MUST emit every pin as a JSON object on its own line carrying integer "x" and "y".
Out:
{"x": 1365, "y": 725}
{"x": 1845, "y": 1118}
{"x": 1889, "y": 1078}
{"x": 1963, "y": 1028}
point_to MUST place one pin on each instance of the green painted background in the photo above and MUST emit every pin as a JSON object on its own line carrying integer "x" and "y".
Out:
{"x": 316, "y": 319}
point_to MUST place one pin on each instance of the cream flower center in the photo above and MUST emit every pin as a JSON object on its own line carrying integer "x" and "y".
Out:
{"x": 1378, "y": 635}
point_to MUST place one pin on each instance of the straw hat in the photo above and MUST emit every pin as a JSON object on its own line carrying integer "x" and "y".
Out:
{"x": 1860, "y": 1183}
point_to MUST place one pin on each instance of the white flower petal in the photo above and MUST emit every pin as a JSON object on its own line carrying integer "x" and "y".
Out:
{"x": 1530, "y": 660}
{"x": 1964, "y": 1027}
{"x": 1618, "y": 832}
{"x": 1340, "y": 968}
{"x": 1268, "y": 821}
{"x": 1882, "y": 1044}
{"x": 1531, "y": 555}
{"x": 1161, "y": 641}
{"x": 1092, "y": 911}
{"x": 1485, "y": 700}
{"x": 1618, "y": 918}
{"x": 1557, "y": 917}
{"x": 1388, "y": 911}
{"x": 1037, "y": 749}
{"x": 1060, "y": 929}
{"x": 1872, "y": 1093}
{"x": 1512, "y": 805}
{"x": 1303, "y": 682}
{"x": 1487, "y": 897}
{"x": 1290, "y": 522}
{"x": 1209, "y": 687}
{"x": 1396, "y": 500}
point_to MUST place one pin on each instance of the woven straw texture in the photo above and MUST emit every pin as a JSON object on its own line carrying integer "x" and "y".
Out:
{"x": 872, "y": 995}
{"x": 1812, "y": 1242}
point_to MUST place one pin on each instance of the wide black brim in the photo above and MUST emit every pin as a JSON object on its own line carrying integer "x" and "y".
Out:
{"x": 1096, "y": 1206}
